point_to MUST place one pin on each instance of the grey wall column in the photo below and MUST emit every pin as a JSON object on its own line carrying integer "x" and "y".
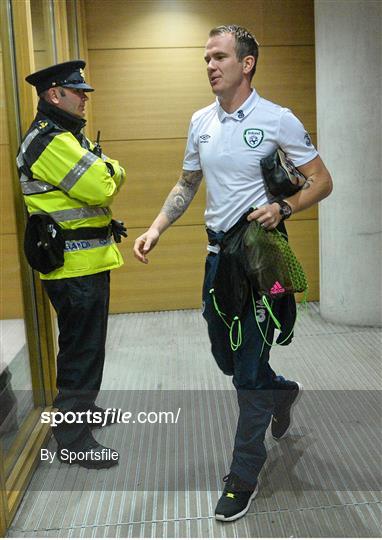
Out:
{"x": 348, "y": 71}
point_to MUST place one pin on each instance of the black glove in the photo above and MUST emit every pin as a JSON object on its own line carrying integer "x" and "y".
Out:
{"x": 118, "y": 230}
{"x": 110, "y": 168}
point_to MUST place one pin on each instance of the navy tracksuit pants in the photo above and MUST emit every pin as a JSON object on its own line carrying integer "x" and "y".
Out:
{"x": 253, "y": 378}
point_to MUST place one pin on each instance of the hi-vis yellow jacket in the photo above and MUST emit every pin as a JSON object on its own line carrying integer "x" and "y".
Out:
{"x": 60, "y": 176}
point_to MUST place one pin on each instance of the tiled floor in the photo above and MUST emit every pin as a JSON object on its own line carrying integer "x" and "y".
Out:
{"x": 323, "y": 481}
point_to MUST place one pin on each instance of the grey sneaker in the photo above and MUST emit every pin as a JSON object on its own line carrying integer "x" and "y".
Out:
{"x": 283, "y": 413}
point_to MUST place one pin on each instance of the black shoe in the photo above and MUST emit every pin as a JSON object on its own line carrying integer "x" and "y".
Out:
{"x": 282, "y": 416}
{"x": 107, "y": 418}
{"x": 236, "y": 498}
{"x": 90, "y": 456}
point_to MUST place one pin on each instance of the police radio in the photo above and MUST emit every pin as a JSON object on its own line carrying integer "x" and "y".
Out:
{"x": 97, "y": 150}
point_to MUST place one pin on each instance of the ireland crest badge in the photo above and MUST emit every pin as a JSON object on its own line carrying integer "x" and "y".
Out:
{"x": 253, "y": 137}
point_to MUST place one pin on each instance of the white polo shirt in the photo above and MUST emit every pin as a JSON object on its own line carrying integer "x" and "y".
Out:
{"x": 228, "y": 149}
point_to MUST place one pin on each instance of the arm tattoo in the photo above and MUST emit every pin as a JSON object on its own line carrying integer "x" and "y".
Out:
{"x": 182, "y": 194}
{"x": 308, "y": 182}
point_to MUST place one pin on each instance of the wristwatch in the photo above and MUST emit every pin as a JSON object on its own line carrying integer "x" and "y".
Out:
{"x": 285, "y": 210}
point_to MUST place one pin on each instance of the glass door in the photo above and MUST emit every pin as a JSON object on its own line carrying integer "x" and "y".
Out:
{"x": 23, "y": 392}
{"x": 34, "y": 34}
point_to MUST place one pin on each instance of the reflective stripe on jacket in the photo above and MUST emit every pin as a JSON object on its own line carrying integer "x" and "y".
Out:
{"x": 60, "y": 176}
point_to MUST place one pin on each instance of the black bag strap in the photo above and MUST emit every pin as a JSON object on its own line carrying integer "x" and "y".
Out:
{"x": 87, "y": 233}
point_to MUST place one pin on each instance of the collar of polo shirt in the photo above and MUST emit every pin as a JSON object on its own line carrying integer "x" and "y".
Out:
{"x": 243, "y": 111}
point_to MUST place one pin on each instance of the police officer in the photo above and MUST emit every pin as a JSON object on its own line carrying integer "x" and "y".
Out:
{"x": 68, "y": 184}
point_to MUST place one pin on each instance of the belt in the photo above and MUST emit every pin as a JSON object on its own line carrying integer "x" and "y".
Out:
{"x": 87, "y": 233}
{"x": 213, "y": 247}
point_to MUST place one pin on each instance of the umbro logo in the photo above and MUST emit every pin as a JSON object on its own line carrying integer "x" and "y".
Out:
{"x": 277, "y": 288}
{"x": 204, "y": 138}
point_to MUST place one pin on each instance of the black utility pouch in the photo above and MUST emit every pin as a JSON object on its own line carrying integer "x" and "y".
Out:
{"x": 44, "y": 243}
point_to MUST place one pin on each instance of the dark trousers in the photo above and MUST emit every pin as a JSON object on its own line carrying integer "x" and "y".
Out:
{"x": 82, "y": 307}
{"x": 253, "y": 378}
